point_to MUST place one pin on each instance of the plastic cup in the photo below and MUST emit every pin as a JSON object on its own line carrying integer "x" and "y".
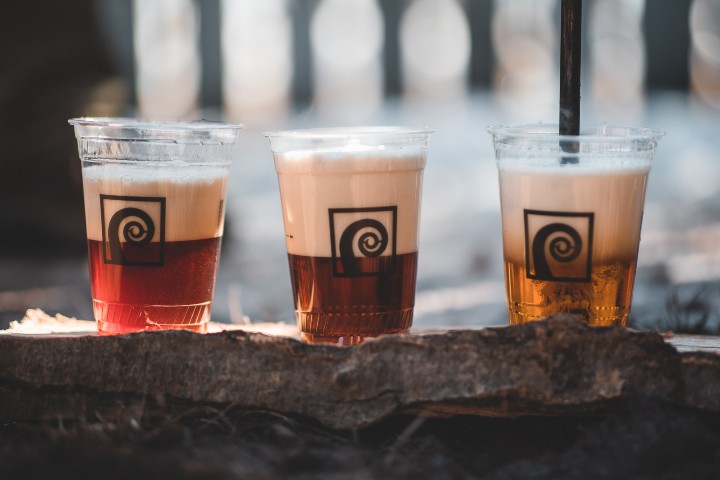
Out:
{"x": 154, "y": 209}
{"x": 572, "y": 208}
{"x": 351, "y": 209}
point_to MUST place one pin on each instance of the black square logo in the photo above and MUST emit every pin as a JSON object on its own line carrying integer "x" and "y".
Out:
{"x": 363, "y": 240}
{"x": 558, "y": 245}
{"x": 133, "y": 230}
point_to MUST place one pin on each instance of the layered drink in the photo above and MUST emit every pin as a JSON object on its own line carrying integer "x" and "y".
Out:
{"x": 154, "y": 209}
{"x": 572, "y": 209}
{"x": 351, "y": 217}
{"x": 570, "y": 241}
{"x": 153, "y": 245}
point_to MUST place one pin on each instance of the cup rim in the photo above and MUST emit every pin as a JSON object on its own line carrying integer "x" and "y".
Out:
{"x": 129, "y": 122}
{"x": 331, "y": 133}
{"x": 603, "y": 132}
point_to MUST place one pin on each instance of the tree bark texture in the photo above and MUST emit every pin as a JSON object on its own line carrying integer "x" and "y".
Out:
{"x": 555, "y": 367}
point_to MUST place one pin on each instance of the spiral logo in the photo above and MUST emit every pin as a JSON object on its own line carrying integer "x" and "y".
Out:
{"x": 135, "y": 232}
{"x": 554, "y": 245}
{"x": 138, "y": 230}
{"x": 371, "y": 243}
{"x": 356, "y": 241}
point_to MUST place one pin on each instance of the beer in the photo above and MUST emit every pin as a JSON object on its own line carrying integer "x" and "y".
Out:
{"x": 351, "y": 217}
{"x": 603, "y": 301}
{"x": 329, "y": 306}
{"x": 132, "y": 298}
{"x": 570, "y": 240}
{"x": 153, "y": 244}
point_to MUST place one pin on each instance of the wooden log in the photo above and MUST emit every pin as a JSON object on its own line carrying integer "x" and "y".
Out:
{"x": 556, "y": 367}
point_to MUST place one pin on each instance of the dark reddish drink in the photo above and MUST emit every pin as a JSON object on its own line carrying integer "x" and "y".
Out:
{"x": 176, "y": 295}
{"x": 153, "y": 245}
{"x": 345, "y": 309}
{"x": 351, "y": 209}
{"x": 154, "y": 213}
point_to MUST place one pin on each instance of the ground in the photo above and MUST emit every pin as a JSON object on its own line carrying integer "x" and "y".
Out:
{"x": 642, "y": 440}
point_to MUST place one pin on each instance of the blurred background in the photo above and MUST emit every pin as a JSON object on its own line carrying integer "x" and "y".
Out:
{"x": 454, "y": 65}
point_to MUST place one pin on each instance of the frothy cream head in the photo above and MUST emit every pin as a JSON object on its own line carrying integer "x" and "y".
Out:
{"x": 189, "y": 200}
{"x": 615, "y": 197}
{"x": 359, "y": 159}
{"x": 325, "y": 194}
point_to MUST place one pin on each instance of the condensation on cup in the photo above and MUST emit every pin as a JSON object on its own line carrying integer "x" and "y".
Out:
{"x": 572, "y": 209}
{"x": 154, "y": 208}
{"x": 351, "y": 210}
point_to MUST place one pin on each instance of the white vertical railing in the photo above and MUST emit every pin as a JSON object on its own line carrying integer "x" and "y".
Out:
{"x": 347, "y": 37}
{"x": 435, "y": 49}
{"x": 617, "y": 59}
{"x": 705, "y": 51}
{"x": 167, "y": 58}
{"x": 347, "y": 42}
{"x": 256, "y": 59}
{"x": 525, "y": 42}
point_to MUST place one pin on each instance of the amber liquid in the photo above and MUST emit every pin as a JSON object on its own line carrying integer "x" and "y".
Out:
{"x": 344, "y": 310}
{"x": 176, "y": 295}
{"x": 603, "y": 301}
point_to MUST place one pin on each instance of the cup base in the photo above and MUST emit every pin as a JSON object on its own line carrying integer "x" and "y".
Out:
{"x": 121, "y": 318}
{"x": 343, "y": 340}
{"x": 351, "y": 329}
{"x": 593, "y": 317}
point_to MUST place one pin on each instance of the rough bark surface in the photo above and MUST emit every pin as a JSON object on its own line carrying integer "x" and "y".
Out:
{"x": 556, "y": 367}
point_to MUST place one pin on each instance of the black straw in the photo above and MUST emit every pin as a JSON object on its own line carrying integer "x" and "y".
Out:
{"x": 570, "y": 47}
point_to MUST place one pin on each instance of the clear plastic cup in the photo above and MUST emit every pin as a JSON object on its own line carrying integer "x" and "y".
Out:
{"x": 572, "y": 208}
{"x": 154, "y": 209}
{"x": 351, "y": 209}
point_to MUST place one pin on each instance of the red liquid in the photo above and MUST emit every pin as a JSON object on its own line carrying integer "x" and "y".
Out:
{"x": 176, "y": 295}
{"x": 344, "y": 310}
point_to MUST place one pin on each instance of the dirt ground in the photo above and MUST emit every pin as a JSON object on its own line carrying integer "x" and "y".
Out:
{"x": 640, "y": 441}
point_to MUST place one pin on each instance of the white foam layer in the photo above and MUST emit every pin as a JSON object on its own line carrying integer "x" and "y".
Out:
{"x": 312, "y": 184}
{"x": 194, "y": 198}
{"x": 350, "y": 159}
{"x": 587, "y": 166}
{"x": 615, "y": 198}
